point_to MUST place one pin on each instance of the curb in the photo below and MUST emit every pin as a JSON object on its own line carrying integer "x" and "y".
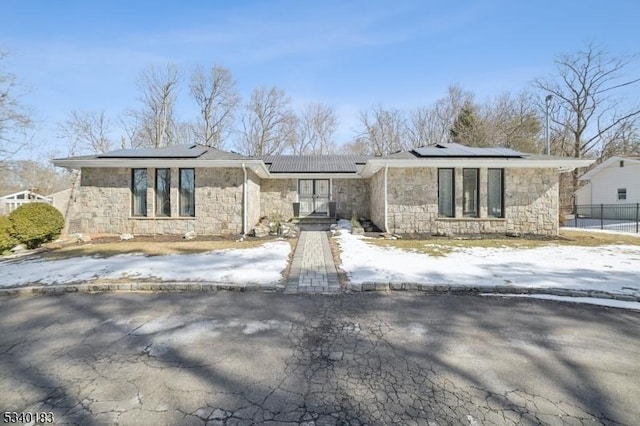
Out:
{"x": 437, "y": 289}
{"x": 165, "y": 286}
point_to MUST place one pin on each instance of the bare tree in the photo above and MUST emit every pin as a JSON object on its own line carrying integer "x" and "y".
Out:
{"x": 155, "y": 124}
{"x": 86, "y": 132}
{"x": 513, "y": 122}
{"x": 384, "y": 130}
{"x": 428, "y": 125}
{"x": 15, "y": 118}
{"x": 315, "y": 130}
{"x": 583, "y": 96}
{"x": 215, "y": 93}
{"x": 268, "y": 124}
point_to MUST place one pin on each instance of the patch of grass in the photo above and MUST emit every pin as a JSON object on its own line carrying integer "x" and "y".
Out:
{"x": 439, "y": 246}
{"x": 148, "y": 248}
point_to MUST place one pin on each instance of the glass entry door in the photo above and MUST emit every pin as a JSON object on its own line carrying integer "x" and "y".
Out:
{"x": 313, "y": 195}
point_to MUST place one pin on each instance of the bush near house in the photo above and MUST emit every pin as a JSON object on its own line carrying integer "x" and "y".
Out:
{"x": 36, "y": 223}
{"x": 7, "y": 241}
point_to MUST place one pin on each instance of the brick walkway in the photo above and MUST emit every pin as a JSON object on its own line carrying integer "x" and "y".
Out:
{"x": 312, "y": 268}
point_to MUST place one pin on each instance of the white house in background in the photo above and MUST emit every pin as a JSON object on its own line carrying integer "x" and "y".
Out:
{"x": 10, "y": 202}
{"x": 615, "y": 181}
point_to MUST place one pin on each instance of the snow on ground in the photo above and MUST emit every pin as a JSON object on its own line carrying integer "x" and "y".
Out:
{"x": 613, "y": 268}
{"x": 634, "y": 306}
{"x": 257, "y": 265}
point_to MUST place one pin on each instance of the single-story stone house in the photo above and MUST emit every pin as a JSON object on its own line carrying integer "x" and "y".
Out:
{"x": 442, "y": 189}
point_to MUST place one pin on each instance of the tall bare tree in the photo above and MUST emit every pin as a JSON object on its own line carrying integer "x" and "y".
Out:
{"x": 584, "y": 101}
{"x": 431, "y": 124}
{"x": 154, "y": 124}
{"x": 513, "y": 122}
{"x": 315, "y": 130}
{"x": 268, "y": 123}
{"x": 15, "y": 118}
{"x": 215, "y": 93}
{"x": 383, "y": 130}
{"x": 86, "y": 132}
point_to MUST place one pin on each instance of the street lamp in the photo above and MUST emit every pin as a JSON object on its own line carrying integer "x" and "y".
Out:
{"x": 546, "y": 117}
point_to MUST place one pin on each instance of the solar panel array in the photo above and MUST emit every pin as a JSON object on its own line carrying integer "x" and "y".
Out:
{"x": 174, "y": 151}
{"x": 457, "y": 150}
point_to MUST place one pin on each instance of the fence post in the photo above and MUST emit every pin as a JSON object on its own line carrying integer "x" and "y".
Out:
{"x": 575, "y": 214}
{"x": 601, "y": 216}
{"x": 637, "y": 216}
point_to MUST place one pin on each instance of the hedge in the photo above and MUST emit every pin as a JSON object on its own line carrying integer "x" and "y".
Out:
{"x": 7, "y": 241}
{"x": 36, "y": 223}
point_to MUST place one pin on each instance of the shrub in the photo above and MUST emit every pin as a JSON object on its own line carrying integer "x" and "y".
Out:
{"x": 7, "y": 241}
{"x": 36, "y": 223}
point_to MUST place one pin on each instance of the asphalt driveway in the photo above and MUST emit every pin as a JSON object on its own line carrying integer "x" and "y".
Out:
{"x": 244, "y": 358}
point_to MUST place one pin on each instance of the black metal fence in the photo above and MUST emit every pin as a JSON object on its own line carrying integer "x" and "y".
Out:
{"x": 614, "y": 217}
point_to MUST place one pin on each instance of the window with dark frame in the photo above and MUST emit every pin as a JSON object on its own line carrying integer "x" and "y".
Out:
{"x": 163, "y": 192}
{"x": 446, "y": 193}
{"x": 622, "y": 194}
{"x": 495, "y": 192}
{"x": 187, "y": 192}
{"x": 470, "y": 192}
{"x": 139, "y": 192}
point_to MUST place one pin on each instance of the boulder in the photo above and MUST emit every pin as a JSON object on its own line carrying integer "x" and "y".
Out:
{"x": 261, "y": 231}
{"x": 124, "y": 237}
{"x": 189, "y": 235}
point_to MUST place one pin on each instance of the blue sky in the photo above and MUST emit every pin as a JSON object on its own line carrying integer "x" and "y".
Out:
{"x": 401, "y": 53}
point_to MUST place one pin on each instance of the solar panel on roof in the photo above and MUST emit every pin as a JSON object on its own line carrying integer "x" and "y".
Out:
{"x": 174, "y": 151}
{"x": 457, "y": 150}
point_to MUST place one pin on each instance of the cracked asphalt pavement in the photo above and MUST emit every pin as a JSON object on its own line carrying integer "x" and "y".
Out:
{"x": 260, "y": 358}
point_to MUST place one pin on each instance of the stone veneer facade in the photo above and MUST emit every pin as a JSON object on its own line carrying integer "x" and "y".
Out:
{"x": 530, "y": 203}
{"x": 102, "y": 203}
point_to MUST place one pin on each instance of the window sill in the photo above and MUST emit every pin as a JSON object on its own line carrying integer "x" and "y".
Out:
{"x": 471, "y": 219}
{"x": 162, "y": 218}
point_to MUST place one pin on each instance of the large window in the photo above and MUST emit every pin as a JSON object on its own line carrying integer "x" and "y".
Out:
{"x": 139, "y": 192}
{"x": 470, "y": 192}
{"x": 187, "y": 192}
{"x": 163, "y": 192}
{"x": 446, "y": 193}
{"x": 622, "y": 194}
{"x": 495, "y": 191}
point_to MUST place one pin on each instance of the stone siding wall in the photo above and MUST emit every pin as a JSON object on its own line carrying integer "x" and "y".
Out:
{"x": 103, "y": 203}
{"x": 277, "y": 197}
{"x": 376, "y": 194}
{"x": 351, "y": 197}
{"x": 530, "y": 203}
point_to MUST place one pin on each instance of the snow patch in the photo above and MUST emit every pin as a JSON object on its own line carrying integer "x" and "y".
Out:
{"x": 612, "y": 303}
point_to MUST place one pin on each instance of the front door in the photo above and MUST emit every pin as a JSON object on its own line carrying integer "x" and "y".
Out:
{"x": 313, "y": 195}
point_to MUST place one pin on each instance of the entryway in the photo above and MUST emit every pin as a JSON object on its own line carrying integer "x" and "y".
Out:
{"x": 313, "y": 196}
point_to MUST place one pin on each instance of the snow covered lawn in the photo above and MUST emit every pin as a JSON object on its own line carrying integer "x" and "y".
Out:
{"x": 611, "y": 268}
{"x": 256, "y": 265}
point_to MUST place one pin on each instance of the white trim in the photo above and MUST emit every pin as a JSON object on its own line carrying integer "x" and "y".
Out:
{"x": 245, "y": 208}
{"x": 314, "y": 176}
{"x": 374, "y": 165}
{"x": 257, "y": 166}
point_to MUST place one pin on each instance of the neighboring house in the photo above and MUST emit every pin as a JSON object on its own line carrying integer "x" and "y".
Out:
{"x": 60, "y": 200}
{"x": 611, "y": 189}
{"x": 10, "y": 202}
{"x": 440, "y": 189}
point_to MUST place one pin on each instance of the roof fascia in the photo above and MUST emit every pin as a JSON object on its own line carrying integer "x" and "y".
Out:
{"x": 568, "y": 164}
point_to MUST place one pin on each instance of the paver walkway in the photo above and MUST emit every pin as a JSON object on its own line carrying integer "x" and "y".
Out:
{"x": 312, "y": 268}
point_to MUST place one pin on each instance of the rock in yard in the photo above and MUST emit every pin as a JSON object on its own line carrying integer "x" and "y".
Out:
{"x": 124, "y": 237}
{"x": 357, "y": 231}
{"x": 18, "y": 248}
{"x": 261, "y": 231}
{"x": 189, "y": 235}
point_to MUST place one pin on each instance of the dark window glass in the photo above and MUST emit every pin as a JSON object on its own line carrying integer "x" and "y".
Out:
{"x": 622, "y": 194}
{"x": 139, "y": 192}
{"x": 446, "y": 193}
{"x": 495, "y": 191}
{"x": 163, "y": 192}
{"x": 187, "y": 192}
{"x": 470, "y": 192}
